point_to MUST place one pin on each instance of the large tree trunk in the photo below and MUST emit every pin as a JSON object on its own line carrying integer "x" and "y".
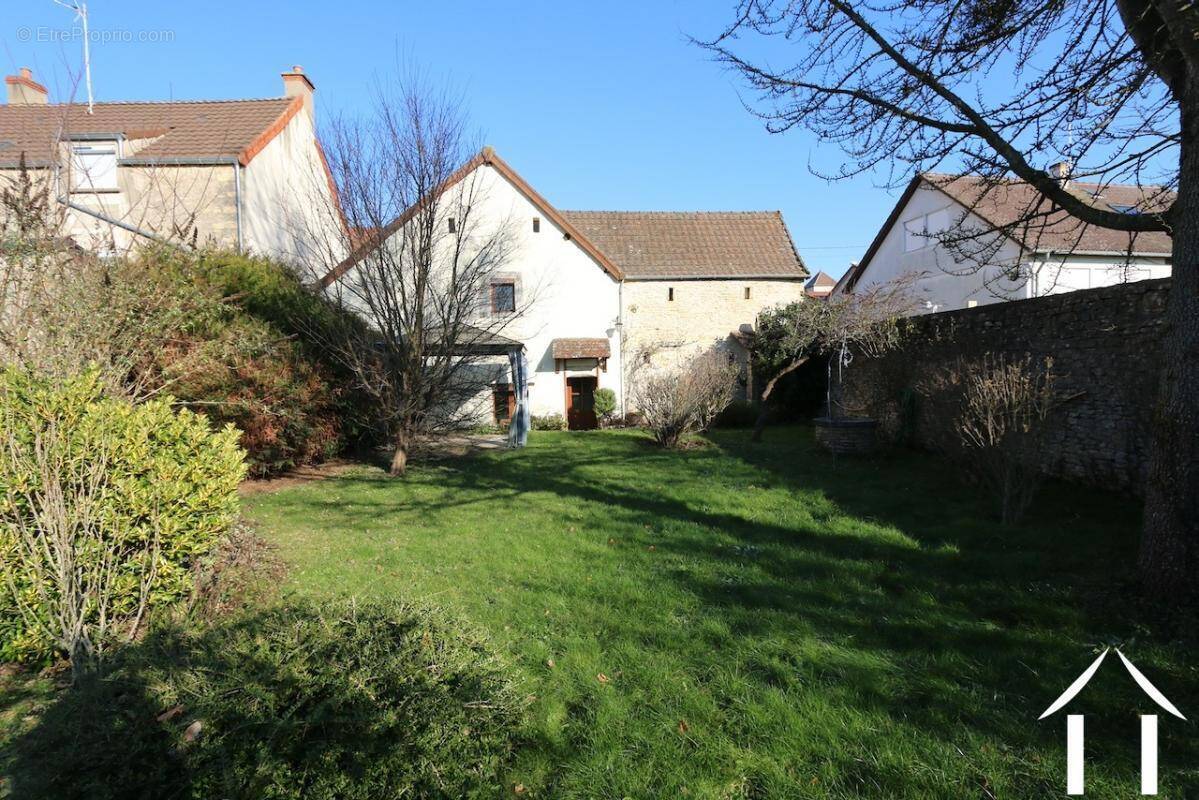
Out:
{"x": 399, "y": 459}
{"x": 1169, "y": 556}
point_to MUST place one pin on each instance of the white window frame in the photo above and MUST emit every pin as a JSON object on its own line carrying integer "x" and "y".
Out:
{"x": 914, "y": 231}
{"x": 920, "y": 232}
{"x": 94, "y": 165}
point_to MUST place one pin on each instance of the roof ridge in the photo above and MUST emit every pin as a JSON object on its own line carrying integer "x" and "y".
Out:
{"x": 663, "y": 213}
{"x": 1013, "y": 180}
{"x": 152, "y": 102}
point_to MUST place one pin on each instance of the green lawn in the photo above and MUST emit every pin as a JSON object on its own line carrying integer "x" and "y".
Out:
{"x": 744, "y": 620}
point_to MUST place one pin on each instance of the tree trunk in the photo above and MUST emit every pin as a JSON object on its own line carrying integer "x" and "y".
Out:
{"x": 763, "y": 411}
{"x": 1169, "y": 554}
{"x": 399, "y": 459}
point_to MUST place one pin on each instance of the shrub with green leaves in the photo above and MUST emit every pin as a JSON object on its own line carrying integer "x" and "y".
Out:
{"x": 548, "y": 422}
{"x": 343, "y": 699}
{"x": 105, "y": 508}
{"x": 605, "y": 404}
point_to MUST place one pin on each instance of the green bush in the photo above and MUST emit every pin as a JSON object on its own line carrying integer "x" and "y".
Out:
{"x": 129, "y": 497}
{"x": 261, "y": 360}
{"x": 549, "y": 422}
{"x": 605, "y": 403}
{"x": 342, "y": 700}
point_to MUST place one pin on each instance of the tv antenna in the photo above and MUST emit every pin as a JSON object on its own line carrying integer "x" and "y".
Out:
{"x": 80, "y": 9}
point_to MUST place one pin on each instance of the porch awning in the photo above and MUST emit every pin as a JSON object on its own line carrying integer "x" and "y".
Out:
{"x": 580, "y": 348}
{"x": 477, "y": 341}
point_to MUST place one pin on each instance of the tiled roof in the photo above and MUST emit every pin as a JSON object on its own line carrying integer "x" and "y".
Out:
{"x": 821, "y": 280}
{"x": 644, "y": 244}
{"x": 1008, "y": 203}
{"x": 189, "y": 130}
{"x": 819, "y": 285}
{"x": 687, "y": 244}
{"x": 580, "y": 348}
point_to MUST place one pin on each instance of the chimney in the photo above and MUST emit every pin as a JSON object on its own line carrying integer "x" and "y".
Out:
{"x": 296, "y": 84}
{"x": 1060, "y": 172}
{"x": 23, "y": 90}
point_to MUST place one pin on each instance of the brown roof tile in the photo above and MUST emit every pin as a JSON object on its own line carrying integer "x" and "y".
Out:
{"x": 693, "y": 244}
{"x": 580, "y": 348}
{"x": 211, "y": 129}
{"x": 1005, "y": 205}
{"x": 645, "y": 244}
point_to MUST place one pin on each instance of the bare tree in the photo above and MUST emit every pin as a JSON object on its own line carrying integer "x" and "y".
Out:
{"x": 686, "y": 398}
{"x": 425, "y": 249}
{"x": 790, "y": 336}
{"x": 1005, "y": 404}
{"x": 1109, "y": 86}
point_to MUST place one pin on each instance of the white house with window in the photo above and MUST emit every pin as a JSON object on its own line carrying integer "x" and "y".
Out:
{"x": 601, "y": 291}
{"x": 964, "y": 245}
{"x": 243, "y": 174}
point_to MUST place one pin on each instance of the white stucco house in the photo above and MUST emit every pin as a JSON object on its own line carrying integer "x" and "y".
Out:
{"x": 963, "y": 246}
{"x": 243, "y": 174}
{"x": 599, "y": 289}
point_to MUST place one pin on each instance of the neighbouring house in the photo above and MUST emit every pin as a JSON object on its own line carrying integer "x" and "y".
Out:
{"x": 820, "y": 285}
{"x": 244, "y": 174}
{"x": 612, "y": 292}
{"x": 965, "y": 244}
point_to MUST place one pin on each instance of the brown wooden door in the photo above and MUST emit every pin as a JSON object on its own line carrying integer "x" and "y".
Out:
{"x": 503, "y": 403}
{"x": 580, "y": 403}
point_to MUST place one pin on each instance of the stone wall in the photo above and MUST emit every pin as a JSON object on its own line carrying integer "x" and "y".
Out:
{"x": 157, "y": 200}
{"x": 1105, "y": 347}
{"x": 678, "y": 319}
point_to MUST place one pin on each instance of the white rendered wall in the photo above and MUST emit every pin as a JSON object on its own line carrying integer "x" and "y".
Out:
{"x": 288, "y": 207}
{"x": 942, "y": 283}
{"x": 562, "y": 292}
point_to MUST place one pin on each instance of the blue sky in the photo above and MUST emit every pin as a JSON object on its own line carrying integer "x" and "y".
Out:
{"x": 598, "y": 105}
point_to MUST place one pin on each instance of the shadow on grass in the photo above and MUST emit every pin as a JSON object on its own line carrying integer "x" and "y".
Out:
{"x": 932, "y": 614}
{"x": 341, "y": 700}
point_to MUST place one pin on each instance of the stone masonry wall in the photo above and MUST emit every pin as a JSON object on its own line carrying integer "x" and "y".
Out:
{"x": 157, "y": 200}
{"x": 702, "y": 314}
{"x": 1105, "y": 347}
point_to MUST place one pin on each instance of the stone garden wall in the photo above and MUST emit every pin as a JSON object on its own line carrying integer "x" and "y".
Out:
{"x": 1105, "y": 346}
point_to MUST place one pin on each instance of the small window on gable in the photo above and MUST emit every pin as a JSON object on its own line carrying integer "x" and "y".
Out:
{"x": 453, "y": 225}
{"x": 94, "y": 166}
{"x": 922, "y": 231}
{"x": 747, "y": 292}
{"x": 914, "y": 234}
{"x": 503, "y": 298}
{"x": 536, "y": 224}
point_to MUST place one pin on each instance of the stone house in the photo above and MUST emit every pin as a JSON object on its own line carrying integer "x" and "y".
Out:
{"x": 609, "y": 291}
{"x": 244, "y": 174}
{"x": 964, "y": 244}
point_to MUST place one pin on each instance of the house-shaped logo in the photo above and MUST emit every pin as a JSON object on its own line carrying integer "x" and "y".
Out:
{"x": 1074, "y": 727}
